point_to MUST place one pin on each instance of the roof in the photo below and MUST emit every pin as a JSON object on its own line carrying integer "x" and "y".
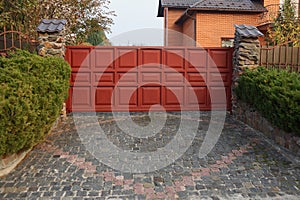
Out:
{"x": 51, "y": 25}
{"x": 174, "y": 4}
{"x": 232, "y": 5}
{"x": 178, "y": 3}
{"x": 247, "y": 31}
{"x": 213, "y": 5}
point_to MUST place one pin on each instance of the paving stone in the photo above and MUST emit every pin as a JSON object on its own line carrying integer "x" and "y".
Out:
{"x": 81, "y": 193}
{"x": 11, "y": 195}
{"x": 21, "y": 195}
{"x": 182, "y": 194}
{"x": 59, "y": 193}
{"x": 93, "y": 194}
{"x": 200, "y": 187}
{"x": 48, "y": 194}
{"x": 67, "y": 188}
{"x": 239, "y": 165}
{"x": 69, "y": 194}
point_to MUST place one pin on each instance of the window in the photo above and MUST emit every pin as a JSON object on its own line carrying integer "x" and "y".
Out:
{"x": 227, "y": 42}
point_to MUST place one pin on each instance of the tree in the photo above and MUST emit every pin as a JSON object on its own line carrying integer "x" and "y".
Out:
{"x": 97, "y": 37}
{"x": 82, "y": 16}
{"x": 286, "y": 26}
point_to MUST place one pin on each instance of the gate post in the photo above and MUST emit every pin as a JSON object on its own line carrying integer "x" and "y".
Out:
{"x": 51, "y": 38}
{"x": 246, "y": 55}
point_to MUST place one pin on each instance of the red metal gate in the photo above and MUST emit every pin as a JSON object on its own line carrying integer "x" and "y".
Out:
{"x": 117, "y": 78}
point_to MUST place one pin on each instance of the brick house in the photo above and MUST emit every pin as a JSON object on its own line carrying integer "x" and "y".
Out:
{"x": 211, "y": 22}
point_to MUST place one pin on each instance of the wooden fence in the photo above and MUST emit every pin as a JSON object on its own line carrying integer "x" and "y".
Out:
{"x": 284, "y": 56}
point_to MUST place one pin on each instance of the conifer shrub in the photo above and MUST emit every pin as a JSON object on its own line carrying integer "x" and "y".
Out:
{"x": 275, "y": 94}
{"x": 32, "y": 91}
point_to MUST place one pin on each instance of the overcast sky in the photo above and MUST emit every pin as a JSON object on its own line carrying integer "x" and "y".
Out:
{"x": 136, "y": 23}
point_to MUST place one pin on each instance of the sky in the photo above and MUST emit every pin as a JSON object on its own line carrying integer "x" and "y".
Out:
{"x": 136, "y": 23}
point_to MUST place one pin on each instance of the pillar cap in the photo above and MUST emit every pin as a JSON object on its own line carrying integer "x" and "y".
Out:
{"x": 247, "y": 31}
{"x": 51, "y": 25}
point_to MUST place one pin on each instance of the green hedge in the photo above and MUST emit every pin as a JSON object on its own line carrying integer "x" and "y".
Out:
{"x": 32, "y": 90}
{"x": 275, "y": 94}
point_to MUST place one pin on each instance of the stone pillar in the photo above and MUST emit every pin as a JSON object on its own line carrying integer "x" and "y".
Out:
{"x": 246, "y": 54}
{"x": 51, "y": 38}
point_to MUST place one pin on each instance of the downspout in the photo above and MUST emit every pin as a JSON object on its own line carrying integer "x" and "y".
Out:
{"x": 166, "y": 13}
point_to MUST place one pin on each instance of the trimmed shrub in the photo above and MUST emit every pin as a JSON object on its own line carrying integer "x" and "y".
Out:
{"x": 32, "y": 91}
{"x": 275, "y": 94}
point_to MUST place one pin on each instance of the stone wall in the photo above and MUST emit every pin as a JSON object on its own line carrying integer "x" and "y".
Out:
{"x": 253, "y": 118}
{"x": 51, "y": 44}
{"x": 8, "y": 163}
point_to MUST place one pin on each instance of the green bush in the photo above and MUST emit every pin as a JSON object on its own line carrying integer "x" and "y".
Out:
{"x": 275, "y": 94}
{"x": 32, "y": 91}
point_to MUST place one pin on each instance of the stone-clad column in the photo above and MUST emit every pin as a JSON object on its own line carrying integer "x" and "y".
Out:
{"x": 51, "y": 37}
{"x": 246, "y": 54}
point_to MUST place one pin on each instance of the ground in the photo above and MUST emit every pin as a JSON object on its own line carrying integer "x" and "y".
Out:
{"x": 242, "y": 165}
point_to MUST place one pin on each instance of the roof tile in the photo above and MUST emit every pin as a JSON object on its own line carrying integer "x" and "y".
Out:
{"x": 51, "y": 25}
{"x": 238, "y": 5}
{"x": 174, "y": 3}
{"x": 246, "y": 5}
{"x": 247, "y": 31}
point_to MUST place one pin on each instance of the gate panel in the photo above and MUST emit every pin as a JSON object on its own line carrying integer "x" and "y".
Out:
{"x": 135, "y": 78}
{"x": 126, "y": 59}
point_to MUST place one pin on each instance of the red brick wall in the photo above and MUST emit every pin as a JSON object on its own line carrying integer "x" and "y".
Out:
{"x": 269, "y": 2}
{"x": 212, "y": 27}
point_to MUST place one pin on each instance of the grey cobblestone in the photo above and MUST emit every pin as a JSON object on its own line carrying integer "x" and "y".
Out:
{"x": 241, "y": 166}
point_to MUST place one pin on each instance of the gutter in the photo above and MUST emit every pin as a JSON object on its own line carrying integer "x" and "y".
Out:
{"x": 228, "y": 10}
{"x": 184, "y": 17}
{"x": 186, "y": 14}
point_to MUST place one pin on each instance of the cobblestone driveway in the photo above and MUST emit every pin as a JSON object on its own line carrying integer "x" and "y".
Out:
{"x": 242, "y": 165}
